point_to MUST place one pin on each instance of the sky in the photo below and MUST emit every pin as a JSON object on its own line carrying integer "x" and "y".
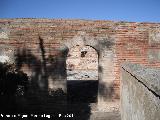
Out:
{"x": 117, "y": 10}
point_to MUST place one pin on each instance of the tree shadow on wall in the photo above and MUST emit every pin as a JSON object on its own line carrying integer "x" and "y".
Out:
{"x": 39, "y": 99}
{"x": 105, "y": 90}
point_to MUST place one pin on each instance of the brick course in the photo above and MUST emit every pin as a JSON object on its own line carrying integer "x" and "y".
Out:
{"x": 117, "y": 42}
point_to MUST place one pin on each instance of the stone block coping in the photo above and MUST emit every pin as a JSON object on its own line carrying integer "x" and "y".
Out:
{"x": 149, "y": 77}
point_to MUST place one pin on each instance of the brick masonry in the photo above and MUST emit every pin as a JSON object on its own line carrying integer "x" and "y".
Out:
{"x": 40, "y": 48}
{"x": 82, "y": 63}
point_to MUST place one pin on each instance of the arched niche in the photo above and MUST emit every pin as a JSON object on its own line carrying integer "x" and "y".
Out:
{"x": 82, "y": 74}
{"x": 105, "y": 52}
{"x": 82, "y": 63}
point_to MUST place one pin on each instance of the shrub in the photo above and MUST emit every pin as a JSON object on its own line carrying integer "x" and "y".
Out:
{"x": 12, "y": 81}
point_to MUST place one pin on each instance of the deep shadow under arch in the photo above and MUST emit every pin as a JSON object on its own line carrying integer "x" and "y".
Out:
{"x": 82, "y": 74}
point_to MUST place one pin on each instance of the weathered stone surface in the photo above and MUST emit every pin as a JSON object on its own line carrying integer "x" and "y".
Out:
{"x": 154, "y": 55}
{"x": 4, "y": 33}
{"x": 148, "y": 76}
{"x": 139, "y": 93}
{"x": 7, "y": 54}
{"x": 154, "y": 36}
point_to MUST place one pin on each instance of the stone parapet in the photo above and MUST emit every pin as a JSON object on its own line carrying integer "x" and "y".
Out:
{"x": 140, "y": 92}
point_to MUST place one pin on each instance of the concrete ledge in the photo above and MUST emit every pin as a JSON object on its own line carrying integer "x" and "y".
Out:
{"x": 150, "y": 77}
{"x": 140, "y": 92}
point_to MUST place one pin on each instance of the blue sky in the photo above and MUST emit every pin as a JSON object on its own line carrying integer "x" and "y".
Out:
{"x": 124, "y": 10}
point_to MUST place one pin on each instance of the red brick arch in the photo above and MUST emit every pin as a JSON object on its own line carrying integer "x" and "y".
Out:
{"x": 81, "y": 39}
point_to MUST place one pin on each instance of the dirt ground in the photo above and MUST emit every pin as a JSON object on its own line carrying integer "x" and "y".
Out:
{"x": 106, "y": 111}
{"x": 105, "y": 116}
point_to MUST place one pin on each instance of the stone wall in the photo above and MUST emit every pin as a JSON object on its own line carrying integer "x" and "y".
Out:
{"x": 140, "y": 92}
{"x": 40, "y": 48}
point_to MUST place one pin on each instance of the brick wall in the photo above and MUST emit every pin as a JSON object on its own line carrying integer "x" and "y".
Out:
{"x": 41, "y": 45}
{"x": 82, "y": 63}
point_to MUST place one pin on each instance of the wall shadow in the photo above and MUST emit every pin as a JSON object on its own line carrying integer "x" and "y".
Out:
{"x": 105, "y": 90}
{"x": 39, "y": 99}
{"x": 82, "y": 91}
